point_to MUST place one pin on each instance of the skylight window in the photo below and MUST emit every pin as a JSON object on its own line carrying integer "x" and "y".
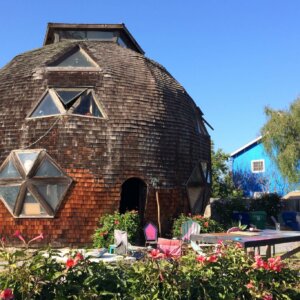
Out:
{"x": 76, "y": 58}
{"x": 35, "y": 187}
{"x": 68, "y": 101}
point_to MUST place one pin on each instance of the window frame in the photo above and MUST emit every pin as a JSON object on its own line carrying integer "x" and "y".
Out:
{"x": 60, "y": 106}
{"x": 256, "y": 161}
{"x": 28, "y": 183}
{"x": 51, "y": 65}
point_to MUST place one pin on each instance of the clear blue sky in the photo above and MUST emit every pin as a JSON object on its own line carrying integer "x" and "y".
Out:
{"x": 233, "y": 57}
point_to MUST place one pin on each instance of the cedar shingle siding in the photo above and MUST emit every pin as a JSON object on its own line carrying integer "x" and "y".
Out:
{"x": 150, "y": 132}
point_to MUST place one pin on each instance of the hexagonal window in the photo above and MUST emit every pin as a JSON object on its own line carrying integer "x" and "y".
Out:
{"x": 198, "y": 186}
{"x": 32, "y": 184}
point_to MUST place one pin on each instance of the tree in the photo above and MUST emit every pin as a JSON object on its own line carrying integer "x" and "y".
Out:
{"x": 222, "y": 183}
{"x": 281, "y": 139}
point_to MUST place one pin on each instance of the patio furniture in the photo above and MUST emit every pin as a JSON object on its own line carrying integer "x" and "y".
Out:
{"x": 188, "y": 228}
{"x": 150, "y": 232}
{"x": 269, "y": 238}
{"x": 169, "y": 247}
{"x": 121, "y": 242}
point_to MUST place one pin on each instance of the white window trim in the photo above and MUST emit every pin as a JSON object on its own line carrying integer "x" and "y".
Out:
{"x": 257, "y": 160}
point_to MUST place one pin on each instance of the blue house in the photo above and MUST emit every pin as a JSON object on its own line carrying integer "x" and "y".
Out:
{"x": 254, "y": 172}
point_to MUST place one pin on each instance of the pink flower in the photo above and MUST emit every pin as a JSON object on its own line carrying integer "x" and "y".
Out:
{"x": 156, "y": 254}
{"x": 268, "y": 297}
{"x": 19, "y": 236}
{"x": 39, "y": 237}
{"x": 250, "y": 285}
{"x": 201, "y": 258}
{"x": 70, "y": 263}
{"x": 7, "y": 294}
{"x": 275, "y": 264}
{"x": 3, "y": 239}
{"x": 238, "y": 245}
{"x": 78, "y": 257}
{"x": 117, "y": 222}
{"x": 205, "y": 224}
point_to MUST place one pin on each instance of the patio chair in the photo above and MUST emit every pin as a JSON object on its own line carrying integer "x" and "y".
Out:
{"x": 169, "y": 247}
{"x": 121, "y": 242}
{"x": 150, "y": 232}
{"x": 188, "y": 228}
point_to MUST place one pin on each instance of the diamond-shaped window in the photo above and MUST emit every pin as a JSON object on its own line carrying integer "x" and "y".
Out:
{"x": 68, "y": 101}
{"x": 35, "y": 186}
{"x": 197, "y": 186}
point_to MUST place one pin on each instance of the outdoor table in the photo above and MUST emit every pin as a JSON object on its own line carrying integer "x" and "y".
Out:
{"x": 263, "y": 238}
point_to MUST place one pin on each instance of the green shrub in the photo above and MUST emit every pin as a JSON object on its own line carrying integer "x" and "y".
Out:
{"x": 104, "y": 234}
{"x": 207, "y": 224}
{"x": 225, "y": 272}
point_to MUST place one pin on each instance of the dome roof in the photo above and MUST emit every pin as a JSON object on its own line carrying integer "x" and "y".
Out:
{"x": 138, "y": 96}
{"x": 108, "y": 118}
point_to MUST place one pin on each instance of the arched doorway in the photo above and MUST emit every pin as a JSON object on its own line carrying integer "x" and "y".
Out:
{"x": 133, "y": 196}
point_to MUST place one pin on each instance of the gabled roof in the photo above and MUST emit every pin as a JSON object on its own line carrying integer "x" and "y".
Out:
{"x": 256, "y": 141}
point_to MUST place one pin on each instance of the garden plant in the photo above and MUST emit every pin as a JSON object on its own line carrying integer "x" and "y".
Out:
{"x": 224, "y": 272}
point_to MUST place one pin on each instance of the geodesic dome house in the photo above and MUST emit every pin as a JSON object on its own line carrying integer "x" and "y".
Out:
{"x": 88, "y": 125}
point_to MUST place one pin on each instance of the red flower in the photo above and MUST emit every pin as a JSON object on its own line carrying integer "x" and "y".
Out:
{"x": 70, "y": 263}
{"x": 19, "y": 236}
{"x": 156, "y": 254}
{"x": 7, "y": 294}
{"x": 201, "y": 258}
{"x": 205, "y": 224}
{"x": 117, "y": 222}
{"x": 268, "y": 297}
{"x": 3, "y": 239}
{"x": 212, "y": 258}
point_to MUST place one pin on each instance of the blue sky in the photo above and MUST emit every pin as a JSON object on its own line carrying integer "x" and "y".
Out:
{"x": 233, "y": 57}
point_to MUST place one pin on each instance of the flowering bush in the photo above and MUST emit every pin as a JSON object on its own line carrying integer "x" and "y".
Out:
{"x": 207, "y": 224}
{"x": 223, "y": 272}
{"x": 104, "y": 234}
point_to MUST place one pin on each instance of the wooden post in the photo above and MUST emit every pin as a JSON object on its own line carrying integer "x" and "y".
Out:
{"x": 158, "y": 212}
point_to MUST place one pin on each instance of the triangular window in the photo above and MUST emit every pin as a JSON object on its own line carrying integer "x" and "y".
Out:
{"x": 86, "y": 106}
{"x": 27, "y": 159}
{"x": 31, "y": 207}
{"x": 52, "y": 193}
{"x": 77, "y": 58}
{"x": 79, "y": 101}
{"x": 9, "y": 194}
{"x": 46, "y": 107}
{"x": 67, "y": 96}
{"x": 10, "y": 171}
{"x": 47, "y": 169}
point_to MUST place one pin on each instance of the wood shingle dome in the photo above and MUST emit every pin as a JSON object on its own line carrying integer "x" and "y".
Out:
{"x": 112, "y": 125}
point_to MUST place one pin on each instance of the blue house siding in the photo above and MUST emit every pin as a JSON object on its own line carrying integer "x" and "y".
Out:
{"x": 269, "y": 181}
